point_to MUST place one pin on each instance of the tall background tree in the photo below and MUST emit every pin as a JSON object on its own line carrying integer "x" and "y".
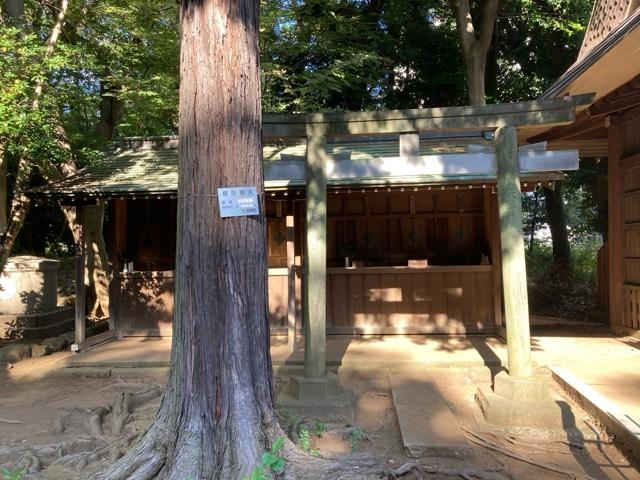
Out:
{"x": 475, "y": 31}
{"x": 107, "y": 69}
{"x": 535, "y": 43}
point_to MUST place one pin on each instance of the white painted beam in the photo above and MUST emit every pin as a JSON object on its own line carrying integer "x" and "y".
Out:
{"x": 478, "y": 163}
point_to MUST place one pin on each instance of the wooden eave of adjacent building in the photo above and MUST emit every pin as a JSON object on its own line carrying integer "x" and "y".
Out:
{"x": 610, "y": 71}
{"x": 590, "y": 126}
{"x": 605, "y": 67}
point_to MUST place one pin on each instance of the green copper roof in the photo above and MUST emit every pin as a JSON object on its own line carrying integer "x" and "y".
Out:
{"x": 151, "y": 168}
{"x": 143, "y": 171}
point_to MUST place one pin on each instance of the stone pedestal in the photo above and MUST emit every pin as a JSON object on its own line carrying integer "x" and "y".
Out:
{"x": 317, "y": 397}
{"x": 28, "y": 298}
{"x": 520, "y": 402}
{"x": 28, "y": 285}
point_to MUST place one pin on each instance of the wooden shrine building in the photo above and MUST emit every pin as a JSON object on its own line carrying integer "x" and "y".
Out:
{"x": 385, "y": 222}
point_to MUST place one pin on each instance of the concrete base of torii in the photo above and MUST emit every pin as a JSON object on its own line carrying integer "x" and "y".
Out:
{"x": 520, "y": 402}
{"x": 320, "y": 397}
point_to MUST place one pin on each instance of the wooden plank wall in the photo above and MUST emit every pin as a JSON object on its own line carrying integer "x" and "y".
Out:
{"x": 377, "y": 228}
{"x": 143, "y": 232}
{"x": 144, "y": 302}
{"x": 389, "y": 228}
{"x": 410, "y": 300}
{"x": 631, "y": 297}
{"x": 278, "y": 291}
{"x": 629, "y": 168}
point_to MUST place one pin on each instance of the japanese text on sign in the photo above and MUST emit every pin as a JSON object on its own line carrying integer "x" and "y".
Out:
{"x": 238, "y": 201}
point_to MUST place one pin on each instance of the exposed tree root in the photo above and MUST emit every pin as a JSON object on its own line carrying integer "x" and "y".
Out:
{"x": 13, "y": 422}
{"x": 91, "y": 420}
{"x": 150, "y": 459}
{"x": 111, "y": 451}
{"x": 87, "y": 419}
{"x": 464, "y": 473}
{"x": 96, "y": 444}
{"x": 355, "y": 466}
{"x": 144, "y": 461}
{"x": 34, "y": 458}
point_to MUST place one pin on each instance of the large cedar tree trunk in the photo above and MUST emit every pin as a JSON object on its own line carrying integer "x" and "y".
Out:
{"x": 217, "y": 416}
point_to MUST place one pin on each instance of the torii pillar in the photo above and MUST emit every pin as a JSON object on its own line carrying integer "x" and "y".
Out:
{"x": 519, "y": 398}
{"x": 318, "y": 392}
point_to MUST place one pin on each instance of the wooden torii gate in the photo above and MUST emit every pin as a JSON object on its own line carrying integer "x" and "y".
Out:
{"x": 503, "y": 120}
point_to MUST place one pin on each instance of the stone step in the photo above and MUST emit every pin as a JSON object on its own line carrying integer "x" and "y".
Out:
{"x": 427, "y": 426}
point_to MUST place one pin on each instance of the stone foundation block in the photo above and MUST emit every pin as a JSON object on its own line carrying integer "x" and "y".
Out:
{"x": 504, "y": 412}
{"x": 531, "y": 389}
{"x": 305, "y": 388}
{"x": 521, "y": 402}
{"x": 321, "y": 398}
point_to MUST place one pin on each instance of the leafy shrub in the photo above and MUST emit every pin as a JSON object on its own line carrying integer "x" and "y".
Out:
{"x": 559, "y": 293}
{"x": 13, "y": 474}
{"x": 270, "y": 463}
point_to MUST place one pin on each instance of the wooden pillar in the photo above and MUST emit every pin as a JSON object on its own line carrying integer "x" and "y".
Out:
{"x": 514, "y": 274}
{"x": 80, "y": 318}
{"x": 492, "y": 234}
{"x": 118, "y": 247}
{"x": 616, "y": 227}
{"x": 291, "y": 280}
{"x": 316, "y": 257}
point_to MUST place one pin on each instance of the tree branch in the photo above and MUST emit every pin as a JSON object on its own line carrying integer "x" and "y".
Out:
{"x": 51, "y": 44}
{"x": 464, "y": 25}
{"x": 488, "y": 24}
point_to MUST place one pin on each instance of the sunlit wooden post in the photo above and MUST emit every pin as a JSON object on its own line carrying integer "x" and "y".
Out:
{"x": 315, "y": 327}
{"x": 291, "y": 281}
{"x": 80, "y": 332}
{"x": 514, "y": 272}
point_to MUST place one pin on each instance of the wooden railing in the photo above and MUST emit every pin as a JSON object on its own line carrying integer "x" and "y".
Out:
{"x": 631, "y": 302}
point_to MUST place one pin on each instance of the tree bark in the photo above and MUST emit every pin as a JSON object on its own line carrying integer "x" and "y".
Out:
{"x": 475, "y": 45}
{"x": 19, "y": 208}
{"x": 534, "y": 218}
{"x": 14, "y": 8}
{"x": 217, "y": 416}
{"x": 110, "y": 112}
{"x": 97, "y": 267}
{"x": 475, "y": 67}
{"x": 554, "y": 207}
{"x": 3, "y": 188}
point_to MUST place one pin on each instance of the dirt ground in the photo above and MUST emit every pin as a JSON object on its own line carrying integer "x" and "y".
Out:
{"x": 67, "y": 424}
